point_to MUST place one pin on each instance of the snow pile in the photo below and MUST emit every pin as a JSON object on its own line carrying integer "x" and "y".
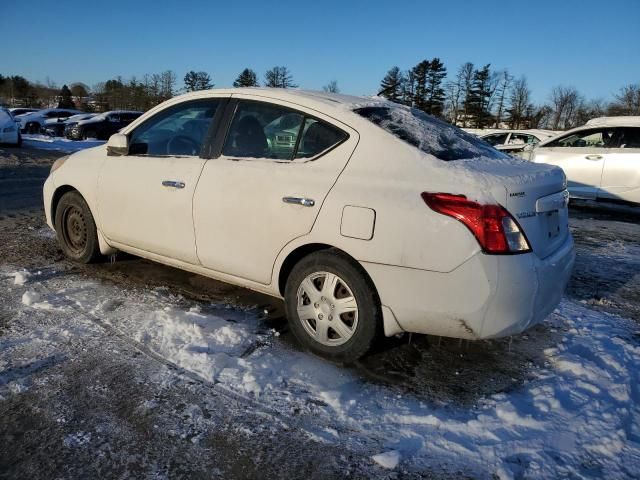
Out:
{"x": 578, "y": 416}
{"x": 20, "y": 278}
{"x": 45, "y": 142}
{"x": 30, "y": 297}
{"x": 388, "y": 459}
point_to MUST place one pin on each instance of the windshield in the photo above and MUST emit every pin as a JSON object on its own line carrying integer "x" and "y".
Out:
{"x": 429, "y": 134}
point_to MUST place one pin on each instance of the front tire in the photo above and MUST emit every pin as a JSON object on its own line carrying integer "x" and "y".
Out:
{"x": 76, "y": 229}
{"x": 332, "y": 306}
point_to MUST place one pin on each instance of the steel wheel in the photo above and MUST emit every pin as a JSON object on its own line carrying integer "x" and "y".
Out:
{"x": 74, "y": 229}
{"x": 327, "y": 309}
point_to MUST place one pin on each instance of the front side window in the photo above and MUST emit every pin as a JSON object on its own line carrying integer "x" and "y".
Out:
{"x": 177, "y": 131}
{"x": 592, "y": 138}
{"x": 630, "y": 137}
{"x": 262, "y": 130}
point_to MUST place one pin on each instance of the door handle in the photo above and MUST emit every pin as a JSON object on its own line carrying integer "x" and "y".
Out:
{"x": 173, "y": 184}
{"x": 593, "y": 157}
{"x": 305, "y": 202}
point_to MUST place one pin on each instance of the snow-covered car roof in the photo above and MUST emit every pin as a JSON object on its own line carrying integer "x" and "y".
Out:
{"x": 620, "y": 121}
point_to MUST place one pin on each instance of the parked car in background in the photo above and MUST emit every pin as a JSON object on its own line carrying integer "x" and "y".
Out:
{"x": 366, "y": 216}
{"x": 34, "y": 121}
{"x": 55, "y": 127}
{"x": 601, "y": 159}
{"x": 22, "y": 110}
{"x": 9, "y": 131}
{"x": 516, "y": 142}
{"x": 101, "y": 126}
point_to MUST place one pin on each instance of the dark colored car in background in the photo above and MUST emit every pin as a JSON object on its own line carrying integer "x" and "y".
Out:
{"x": 101, "y": 126}
{"x": 57, "y": 127}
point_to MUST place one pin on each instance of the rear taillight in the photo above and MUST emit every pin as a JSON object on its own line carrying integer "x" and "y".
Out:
{"x": 495, "y": 229}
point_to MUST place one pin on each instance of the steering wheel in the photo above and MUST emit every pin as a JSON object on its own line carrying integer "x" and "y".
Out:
{"x": 182, "y": 145}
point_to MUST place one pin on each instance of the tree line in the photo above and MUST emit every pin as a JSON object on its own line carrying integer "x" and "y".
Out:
{"x": 476, "y": 96}
{"x": 479, "y": 97}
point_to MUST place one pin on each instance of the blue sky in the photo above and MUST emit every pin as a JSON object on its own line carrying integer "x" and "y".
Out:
{"x": 592, "y": 45}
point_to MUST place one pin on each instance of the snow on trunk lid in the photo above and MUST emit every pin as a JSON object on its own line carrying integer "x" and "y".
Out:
{"x": 535, "y": 194}
{"x": 540, "y": 207}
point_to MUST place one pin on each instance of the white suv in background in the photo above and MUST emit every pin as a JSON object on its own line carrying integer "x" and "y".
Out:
{"x": 601, "y": 159}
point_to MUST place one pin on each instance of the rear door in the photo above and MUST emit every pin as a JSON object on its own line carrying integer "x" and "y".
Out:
{"x": 276, "y": 165}
{"x": 145, "y": 197}
{"x": 621, "y": 175}
{"x": 582, "y": 156}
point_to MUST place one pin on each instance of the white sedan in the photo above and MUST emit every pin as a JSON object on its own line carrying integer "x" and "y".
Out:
{"x": 601, "y": 159}
{"x": 367, "y": 217}
{"x": 517, "y": 142}
{"x": 9, "y": 131}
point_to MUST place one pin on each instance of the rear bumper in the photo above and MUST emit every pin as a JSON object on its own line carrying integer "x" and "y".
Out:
{"x": 486, "y": 297}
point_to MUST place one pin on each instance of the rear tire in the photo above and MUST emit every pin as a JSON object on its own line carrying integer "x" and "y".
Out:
{"x": 76, "y": 229}
{"x": 339, "y": 320}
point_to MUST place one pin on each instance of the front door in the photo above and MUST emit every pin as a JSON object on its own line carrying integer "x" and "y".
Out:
{"x": 621, "y": 175}
{"x": 266, "y": 189}
{"x": 145, "y": 198}
{"x": 582, "y": 157}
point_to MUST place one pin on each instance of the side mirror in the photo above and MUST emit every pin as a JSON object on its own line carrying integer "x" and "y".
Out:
{"x": 117, "y": 145}
{"x": 528, "y": 147}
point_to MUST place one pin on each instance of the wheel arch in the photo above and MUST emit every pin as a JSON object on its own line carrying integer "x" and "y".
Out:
{"x": 390, "y": 323}
{"x": 105, "y": 248}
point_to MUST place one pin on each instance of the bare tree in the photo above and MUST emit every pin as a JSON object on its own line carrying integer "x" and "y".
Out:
{"x": 565, "y": 102}
{"x": 167, "y": 84}
{"x": 331, "y": 87}
{"x": 279, "y": 77}
{"x": 465, "y": 78}
{"x": 627, "y": 102}
{"x": 453, "y": 91}
{"x": 502, "y": 88}
{"x": 519, "y": 103}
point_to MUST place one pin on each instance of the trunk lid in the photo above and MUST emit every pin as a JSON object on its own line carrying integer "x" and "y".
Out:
{"x": 536, "y": 196}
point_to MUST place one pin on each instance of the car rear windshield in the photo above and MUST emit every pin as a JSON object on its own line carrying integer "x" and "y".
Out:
{"x": 429, "y": 134}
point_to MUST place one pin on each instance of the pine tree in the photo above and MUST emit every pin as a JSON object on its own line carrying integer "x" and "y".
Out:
{"x": 247, "y": 78}
{"x": 279, "y": 77}
{"x": 434, "y": 92}
{"x": 392, "y": 85}
{"x": 477, "y": 100}
{"x": 420, "y": 72}
{"x": 65, "y": 98}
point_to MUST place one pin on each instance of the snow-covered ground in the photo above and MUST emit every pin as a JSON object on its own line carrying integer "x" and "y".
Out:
{"x": 45, "y": 142}
{"x": 578, "y": 416}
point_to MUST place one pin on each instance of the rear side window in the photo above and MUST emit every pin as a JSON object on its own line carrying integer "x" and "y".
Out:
{"x": 263, "y": 130}
{"x": 429, "y": 134}
{"x": 318, "y": 137}
{"x": 176, "y": 131}
{"x": 496, "y": 139}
